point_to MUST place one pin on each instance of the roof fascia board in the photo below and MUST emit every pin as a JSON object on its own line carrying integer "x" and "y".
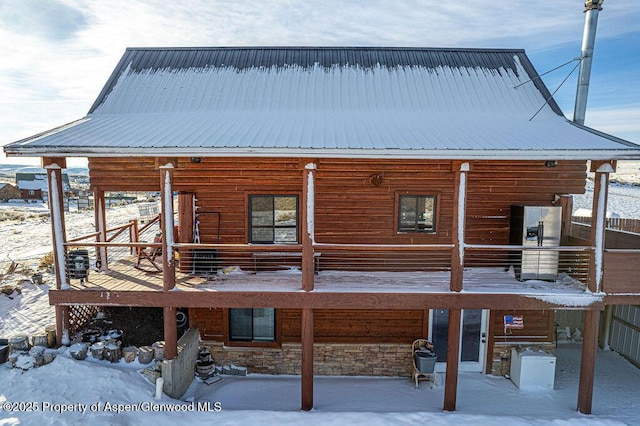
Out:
{"x": 622, "y": 154}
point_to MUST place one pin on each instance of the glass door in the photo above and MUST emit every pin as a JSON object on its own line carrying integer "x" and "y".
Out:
{"x": 473, "y": 338}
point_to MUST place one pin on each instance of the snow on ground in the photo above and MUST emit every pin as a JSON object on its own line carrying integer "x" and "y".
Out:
{"x": 27, "y": 313}
{"x": 101, "y": 389}
{"x": 26, "y": 242}
{"x": 29, "y": 239}
{"x": 624, "y": 192}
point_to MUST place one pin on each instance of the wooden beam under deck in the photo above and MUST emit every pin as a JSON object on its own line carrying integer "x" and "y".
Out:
{"x": 622, "y": 299}
{"x": 310, "y": 300}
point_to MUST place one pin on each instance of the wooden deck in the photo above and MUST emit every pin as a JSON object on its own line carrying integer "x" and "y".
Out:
{"x": 487, "y": 288}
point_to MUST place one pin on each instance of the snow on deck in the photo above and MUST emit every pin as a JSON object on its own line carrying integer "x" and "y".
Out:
{"x": 123, "y": 276}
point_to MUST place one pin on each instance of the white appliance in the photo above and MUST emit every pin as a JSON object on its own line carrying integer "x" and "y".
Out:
{"x": 532, "y": 369}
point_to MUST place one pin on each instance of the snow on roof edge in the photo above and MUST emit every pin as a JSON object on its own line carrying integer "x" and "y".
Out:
{"x": 435, "y": 154}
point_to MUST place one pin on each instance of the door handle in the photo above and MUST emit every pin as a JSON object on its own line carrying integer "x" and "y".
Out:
{"x": 540, "y": 233}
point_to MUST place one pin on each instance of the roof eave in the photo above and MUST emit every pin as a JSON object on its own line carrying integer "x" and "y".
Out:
{"x": 441, "y": 154}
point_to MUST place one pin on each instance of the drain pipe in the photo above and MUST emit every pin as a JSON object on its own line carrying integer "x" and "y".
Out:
{"x": 591, "y": 9}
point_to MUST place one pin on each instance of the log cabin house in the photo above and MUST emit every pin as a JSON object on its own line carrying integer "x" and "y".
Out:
{"x": 8, "y": 192}
{"x": 334, "y": 204}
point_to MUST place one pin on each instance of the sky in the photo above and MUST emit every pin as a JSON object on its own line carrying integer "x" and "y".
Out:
{"x": 58, "y": 54}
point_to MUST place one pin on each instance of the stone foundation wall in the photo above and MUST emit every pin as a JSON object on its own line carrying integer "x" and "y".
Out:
{"x": 328, "y": 358}
{"x": 501, "y": 364}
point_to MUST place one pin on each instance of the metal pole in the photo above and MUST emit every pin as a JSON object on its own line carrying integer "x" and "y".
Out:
{"x": 592, "y": 8}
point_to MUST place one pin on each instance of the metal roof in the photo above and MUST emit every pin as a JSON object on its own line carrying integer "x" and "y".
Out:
{"x": 240, "y": 58}
{"x": 334, "y": 102}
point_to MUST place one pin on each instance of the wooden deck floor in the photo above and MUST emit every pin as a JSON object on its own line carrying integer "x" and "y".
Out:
{"x": 124, "y": 276}
{"x": 484, "y": 288}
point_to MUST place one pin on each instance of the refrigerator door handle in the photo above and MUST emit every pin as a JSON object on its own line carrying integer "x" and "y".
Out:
{"x": 540, "y": 233}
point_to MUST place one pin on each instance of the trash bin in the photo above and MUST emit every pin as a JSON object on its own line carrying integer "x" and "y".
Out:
{"x": 425, "y": 361}
{"x": 78, "y": 264}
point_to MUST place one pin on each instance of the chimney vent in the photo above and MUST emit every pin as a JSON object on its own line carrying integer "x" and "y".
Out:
{"x": 591, "y": 9}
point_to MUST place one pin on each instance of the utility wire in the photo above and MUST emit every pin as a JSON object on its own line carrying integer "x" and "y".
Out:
{"x": 554, "y": 92}
{"x": 547, "y": 72}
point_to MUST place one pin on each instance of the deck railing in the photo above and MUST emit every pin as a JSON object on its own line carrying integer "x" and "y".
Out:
{"x": 207, "y": 260}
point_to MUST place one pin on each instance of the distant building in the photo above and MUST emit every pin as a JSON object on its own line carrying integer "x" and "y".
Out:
{"x": 8, "y": 192}
{"x": 33, "y": 186}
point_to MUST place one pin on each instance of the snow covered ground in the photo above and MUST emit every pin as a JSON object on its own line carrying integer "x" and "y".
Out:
{"x": 99, "y": 393}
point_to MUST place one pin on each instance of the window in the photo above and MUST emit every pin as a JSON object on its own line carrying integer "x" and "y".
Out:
{"x": 252, "y": 324}
{"x": 273, "y": 219}
{"x": 416, "y": 213}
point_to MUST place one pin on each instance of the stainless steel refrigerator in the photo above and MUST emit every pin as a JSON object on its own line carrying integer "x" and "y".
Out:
{"x": 536, "y": 226}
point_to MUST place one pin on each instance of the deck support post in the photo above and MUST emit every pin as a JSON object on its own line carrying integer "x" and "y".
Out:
{"x": 459, "y": 211}
{"x": 598, "y": 222}
{"x": 56, "y": 210}
{"x": 594, "y": 284}
{"x": 453, "y": 355}
{"x": 168, "y": 264}
{"x": 53, "y": 166}
{"x": 588, "y": 361}
{"x": 101, "y": 228}
{"x": 307, "y": 359}
{"x": 307, "y": 225}
{"x": 62, "y": 325}
{"x": 308, "y": 270}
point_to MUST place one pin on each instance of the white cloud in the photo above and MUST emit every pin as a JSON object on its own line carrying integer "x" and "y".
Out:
{"x": 52, "y": 75}
{"x": 618, "y": 121}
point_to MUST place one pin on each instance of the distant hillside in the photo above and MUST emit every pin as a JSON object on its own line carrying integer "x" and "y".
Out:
{"x": 12, "y": 169}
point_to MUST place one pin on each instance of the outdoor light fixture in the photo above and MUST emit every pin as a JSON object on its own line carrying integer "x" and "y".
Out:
{"x": 195, "y": 160}
{"x": 550, "y": 163}
{"x": 375, "y": 180}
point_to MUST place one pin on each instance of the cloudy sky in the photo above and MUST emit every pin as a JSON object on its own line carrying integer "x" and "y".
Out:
{"x": 57, "y": 54}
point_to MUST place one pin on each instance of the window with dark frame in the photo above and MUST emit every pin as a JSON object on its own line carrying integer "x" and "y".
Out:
{"x": 273, "y": 219}
{"x": 416, "y": 213}
{"x": 252, "y": 324}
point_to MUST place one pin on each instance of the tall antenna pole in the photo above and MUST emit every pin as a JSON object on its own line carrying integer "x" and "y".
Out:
{"x": 591, "y": 10}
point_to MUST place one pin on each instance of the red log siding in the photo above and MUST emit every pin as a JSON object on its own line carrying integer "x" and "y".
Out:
{"x": 330, "y": 326}
{"x": 493, "y": 186}
{"x": 538, "y": 327}
{"x": 210, "y": 322}
{"x": 349, "y": 209}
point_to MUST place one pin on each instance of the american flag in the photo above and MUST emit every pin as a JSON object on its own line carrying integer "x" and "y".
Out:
{"x": 513, "y": 321}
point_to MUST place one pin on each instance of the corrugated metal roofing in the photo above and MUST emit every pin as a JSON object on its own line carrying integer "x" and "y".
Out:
{"x": 358, "y": 102}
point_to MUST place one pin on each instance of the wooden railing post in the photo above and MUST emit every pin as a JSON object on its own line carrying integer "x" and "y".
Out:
{"x": 307, "y": 222}
{"x": 101, "y": 228}
{"x": 168, "y": 265}
{"x": 598, "y": 222}
{"x": 54, "y": 166}
{"x": 134, "y": 235}
{"x": 56, "y": 210}
{"x": 459, "y": 211}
